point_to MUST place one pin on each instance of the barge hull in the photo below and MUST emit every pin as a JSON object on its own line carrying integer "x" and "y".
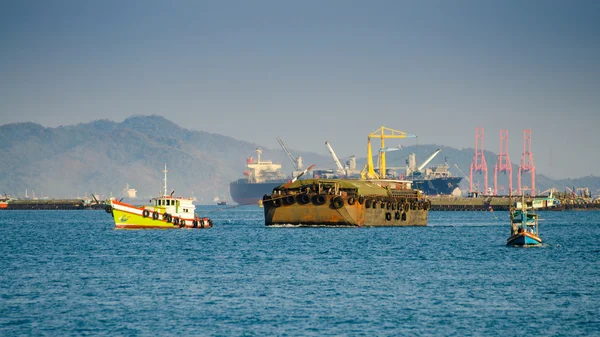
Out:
{"x": 328, "y": 210}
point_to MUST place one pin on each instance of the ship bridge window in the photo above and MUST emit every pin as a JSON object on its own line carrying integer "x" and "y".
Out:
{"x": 168, "y": 202}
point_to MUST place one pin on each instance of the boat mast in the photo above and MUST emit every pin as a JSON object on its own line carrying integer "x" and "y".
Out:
{"x": 165, "y": 180}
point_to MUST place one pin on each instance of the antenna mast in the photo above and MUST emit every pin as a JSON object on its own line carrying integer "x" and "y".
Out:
{"x": 165, "y": 171}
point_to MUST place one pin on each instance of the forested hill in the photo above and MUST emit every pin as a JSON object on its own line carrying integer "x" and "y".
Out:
{"x": 102, "y": 157}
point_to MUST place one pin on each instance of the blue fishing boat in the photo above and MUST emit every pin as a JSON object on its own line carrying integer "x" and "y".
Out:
{"x": 523, "y": 226}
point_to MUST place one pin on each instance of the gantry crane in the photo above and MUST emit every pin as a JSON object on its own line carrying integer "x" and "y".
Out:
{"x": 369, "y": 170}
{"x": 296, "y": 162}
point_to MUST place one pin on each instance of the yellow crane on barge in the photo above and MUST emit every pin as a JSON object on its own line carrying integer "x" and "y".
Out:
{"x": 368, "y": 172}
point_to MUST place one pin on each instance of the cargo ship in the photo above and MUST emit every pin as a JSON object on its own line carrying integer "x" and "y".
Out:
{"x": 433, "y": 180}
{"x": 260, "y": 178}
{"x": 346, "y": 203}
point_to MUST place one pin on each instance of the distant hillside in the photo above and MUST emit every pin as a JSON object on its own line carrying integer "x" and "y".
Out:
{"x": 102, "y": 157}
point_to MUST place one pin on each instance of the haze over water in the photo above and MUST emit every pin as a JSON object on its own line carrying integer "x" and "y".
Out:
{"x": 312, "y": 71}
{"x": 70, "y": 273}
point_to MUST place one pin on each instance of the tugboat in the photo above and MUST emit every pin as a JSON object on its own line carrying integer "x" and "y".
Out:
{"x": 165, "y": 212}
{"x": 373, "y": 200}
{"x": 523, "y": 225}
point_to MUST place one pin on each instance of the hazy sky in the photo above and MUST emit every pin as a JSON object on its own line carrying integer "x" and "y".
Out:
{"x": 316, "y": 71}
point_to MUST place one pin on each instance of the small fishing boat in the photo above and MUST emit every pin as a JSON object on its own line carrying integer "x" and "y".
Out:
{"x": 523, "y": 226}
{"x": 219, "y": 201}
{"x": 165, "y": 212}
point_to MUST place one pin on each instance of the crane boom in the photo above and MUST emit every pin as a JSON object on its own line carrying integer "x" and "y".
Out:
{"x": 462, "y": 172}
{"x": 335, "y": 159}
{"x": 369, "y": 171}
{"x": 572, "y": 191}
{"x": 296, "y": 162}
{"x": 389, "y": 149}
{"x": 428, "y": 160}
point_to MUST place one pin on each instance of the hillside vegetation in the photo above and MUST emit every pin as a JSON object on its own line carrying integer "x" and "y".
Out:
{"x": 102, "y": 157}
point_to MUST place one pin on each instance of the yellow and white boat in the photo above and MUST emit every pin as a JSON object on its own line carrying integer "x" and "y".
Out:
{"x": 165, "y": 212}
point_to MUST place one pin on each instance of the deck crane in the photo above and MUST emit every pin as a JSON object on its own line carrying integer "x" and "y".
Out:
{"x": 340, "y": 168}
{"x": 585, "y": 192}
{"x": 296, "y": 162}
{"x": 462, "y": 173}
{"x": 551, "y": 190}
{"x": 369, "y": 170}
{"x": 389, "y": 149}
{"x": 428, "y": 160}
{"x": 572, "y": 191}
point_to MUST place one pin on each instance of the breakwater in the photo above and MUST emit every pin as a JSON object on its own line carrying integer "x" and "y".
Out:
{"x": 502, "y": 203}
{"x": 49, "y": 204}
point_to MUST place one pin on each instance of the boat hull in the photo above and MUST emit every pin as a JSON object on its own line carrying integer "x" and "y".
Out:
{"x": 131, "y": 217}
{"x": 327, "y": 210}
{"x": 245, "y": 193}
{"x": 437, "y": 186}
{"x": 524, "y": 239}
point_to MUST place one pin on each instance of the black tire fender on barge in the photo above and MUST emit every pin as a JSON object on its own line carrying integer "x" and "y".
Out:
{"x": 303, "y": 198}
{"x": 146, "y": 213}
{"x": 320, "y": 199}
{"x": 289, "y": 200}
{"x": 108, "y": 209}
{"x": 351, "y": 201}
{"x": 388, "y": 216}
{"x": 155, "y": 216}
{"x": 337, "y": 202}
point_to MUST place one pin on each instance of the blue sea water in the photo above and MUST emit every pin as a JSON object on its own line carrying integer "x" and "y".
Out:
{"x": 66, "y": 273}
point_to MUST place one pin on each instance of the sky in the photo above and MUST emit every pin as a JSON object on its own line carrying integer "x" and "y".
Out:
{"x": 314, "y": 71}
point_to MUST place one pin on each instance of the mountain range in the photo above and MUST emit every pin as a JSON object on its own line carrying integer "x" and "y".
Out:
{"x": 103, "y": 157}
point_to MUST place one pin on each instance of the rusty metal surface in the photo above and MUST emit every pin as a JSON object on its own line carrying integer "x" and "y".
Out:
{"x": 326, "y": 210}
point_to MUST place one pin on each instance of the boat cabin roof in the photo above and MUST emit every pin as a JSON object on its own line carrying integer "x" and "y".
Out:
{"x": 167, "y": 200}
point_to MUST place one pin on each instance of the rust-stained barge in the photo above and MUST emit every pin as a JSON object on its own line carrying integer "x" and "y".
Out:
{"x": 346, "y": 202}
{"x": 373, "y": 200}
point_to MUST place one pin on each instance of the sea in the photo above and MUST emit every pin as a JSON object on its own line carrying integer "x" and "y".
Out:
{"x": 70, "y": 273}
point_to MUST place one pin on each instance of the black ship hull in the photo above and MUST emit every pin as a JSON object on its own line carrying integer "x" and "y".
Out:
{"x": 437, "y": 186}
{"x": 245, "y": 193}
